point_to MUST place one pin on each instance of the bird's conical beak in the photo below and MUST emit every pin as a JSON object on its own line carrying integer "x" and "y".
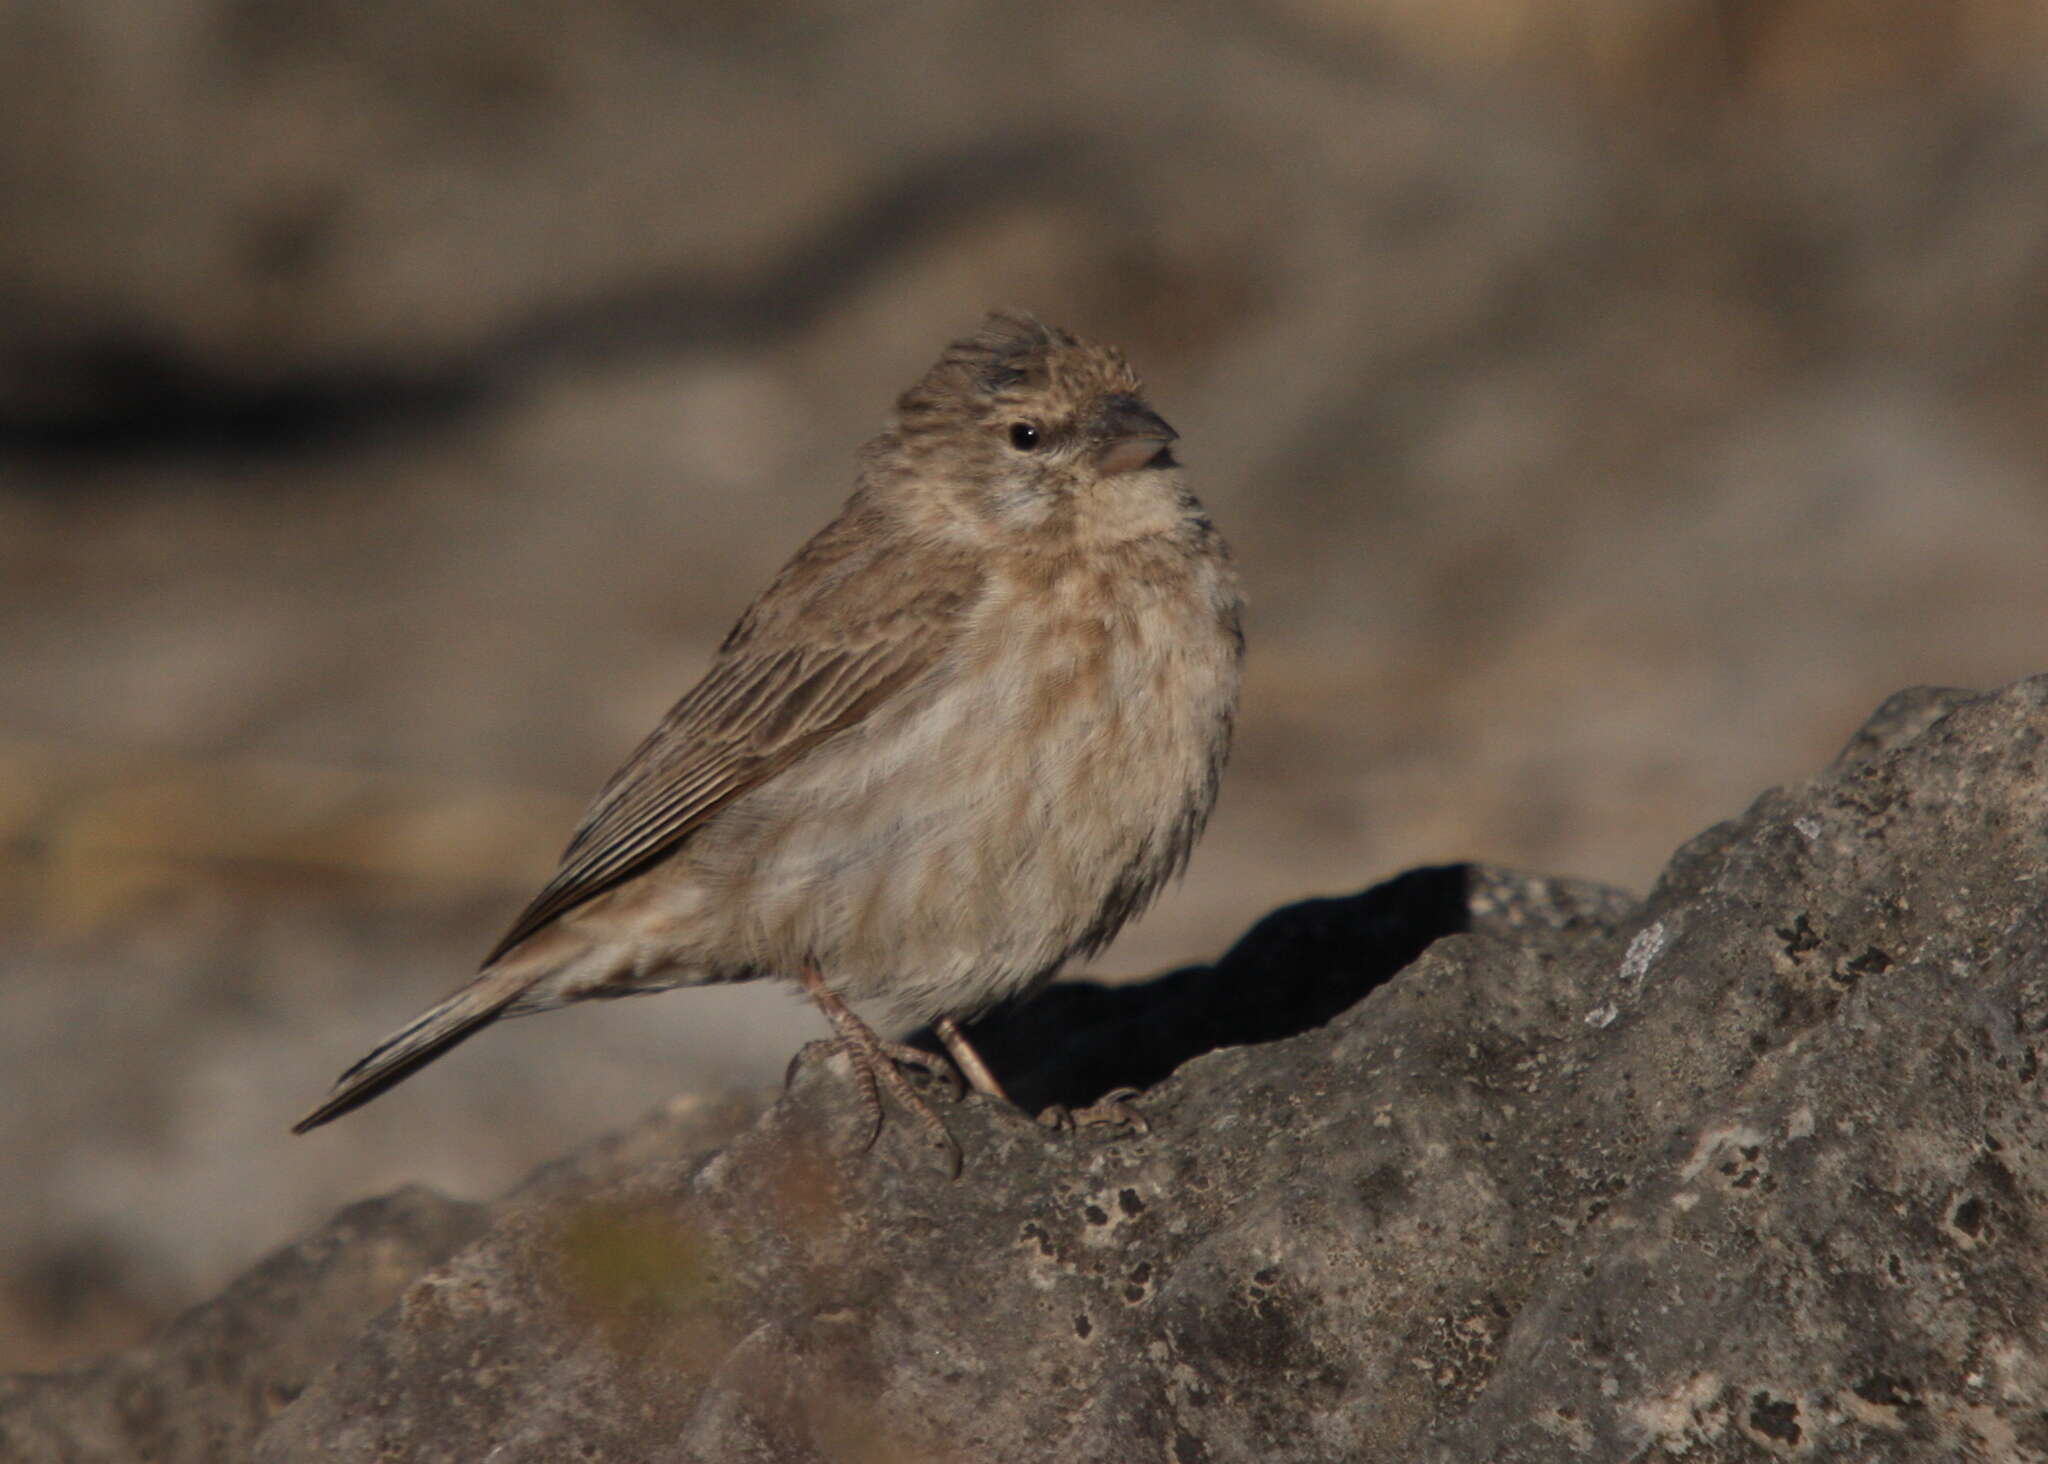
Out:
{"x": 1133, "y": 435}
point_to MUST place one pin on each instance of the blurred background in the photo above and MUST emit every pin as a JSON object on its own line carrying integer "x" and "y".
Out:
{"x": 1610, "y": 404}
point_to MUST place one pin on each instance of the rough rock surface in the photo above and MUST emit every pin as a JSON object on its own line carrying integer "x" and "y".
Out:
{"x": 205, "y": 1389}
{"x": 208, "y": 1385}
{"x": 1499, "y": 1169}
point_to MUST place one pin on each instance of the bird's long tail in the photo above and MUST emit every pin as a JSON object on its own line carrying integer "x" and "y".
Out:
{"x": 419, "y": 1042}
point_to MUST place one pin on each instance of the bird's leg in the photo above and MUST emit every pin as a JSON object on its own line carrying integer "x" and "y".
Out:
{"x": 967, "y": 1059}
{"x": 875, "y": 1065}
{"x": 900, "y": 1053}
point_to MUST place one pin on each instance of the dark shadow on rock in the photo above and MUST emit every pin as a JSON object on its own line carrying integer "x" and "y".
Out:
{"x": 1290, "y": 973}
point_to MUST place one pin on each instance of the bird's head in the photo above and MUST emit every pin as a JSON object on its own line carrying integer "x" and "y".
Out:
{"x": 1031, "y": 426}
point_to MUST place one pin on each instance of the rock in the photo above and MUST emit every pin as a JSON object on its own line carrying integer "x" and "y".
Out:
{"x": 220, "y": 1373}
{"x": 1496, "y": 1168}
{"x": 664, "y": 1316}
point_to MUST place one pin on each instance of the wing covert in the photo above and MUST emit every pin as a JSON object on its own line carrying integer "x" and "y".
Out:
{"x": 755, "y": 712}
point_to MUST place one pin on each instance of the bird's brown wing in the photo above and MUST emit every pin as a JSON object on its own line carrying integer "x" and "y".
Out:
{"x": 777, "y": 690}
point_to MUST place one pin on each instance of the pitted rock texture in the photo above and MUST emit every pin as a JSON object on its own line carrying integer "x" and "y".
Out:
{"x": 1749, "y": 1170}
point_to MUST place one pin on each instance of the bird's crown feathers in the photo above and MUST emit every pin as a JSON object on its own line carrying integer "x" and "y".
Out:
{"x": 1011, "y": 359}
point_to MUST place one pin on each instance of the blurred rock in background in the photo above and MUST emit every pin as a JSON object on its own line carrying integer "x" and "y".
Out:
{"x": 1609, "y": 404}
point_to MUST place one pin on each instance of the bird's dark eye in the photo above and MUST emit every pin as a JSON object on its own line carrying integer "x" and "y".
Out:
{"x": 1023, "y": 436}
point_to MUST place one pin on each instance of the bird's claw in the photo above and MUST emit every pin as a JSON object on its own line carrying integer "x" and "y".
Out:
{"x": 882, "y": 1065}
{"x": 929, "y": 1063}
{"x": 1111, "y": 1107}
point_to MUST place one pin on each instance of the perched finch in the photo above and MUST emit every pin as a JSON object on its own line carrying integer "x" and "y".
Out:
{"x": 968, "y": 732}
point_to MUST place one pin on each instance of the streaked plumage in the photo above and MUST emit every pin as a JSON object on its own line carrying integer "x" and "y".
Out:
{"x": 967, "y": 732}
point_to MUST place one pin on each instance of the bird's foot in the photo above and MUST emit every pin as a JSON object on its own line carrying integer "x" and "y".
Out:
{"x": 902, "y": 1054}
{"x": 879, "y": 1064}
{"x": 933, "y": 1064}
{"x": 1111, "y": 1107}
{"x": 874, "y": 1066}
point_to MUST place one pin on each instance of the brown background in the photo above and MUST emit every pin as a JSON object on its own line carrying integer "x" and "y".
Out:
{"x": 1610, "y": 404}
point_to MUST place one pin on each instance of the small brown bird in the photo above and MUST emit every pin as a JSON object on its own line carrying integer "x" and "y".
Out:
{"x": 968, "y": 732}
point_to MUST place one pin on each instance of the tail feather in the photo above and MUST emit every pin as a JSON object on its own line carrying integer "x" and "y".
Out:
{"x": 418, "y": 1043}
